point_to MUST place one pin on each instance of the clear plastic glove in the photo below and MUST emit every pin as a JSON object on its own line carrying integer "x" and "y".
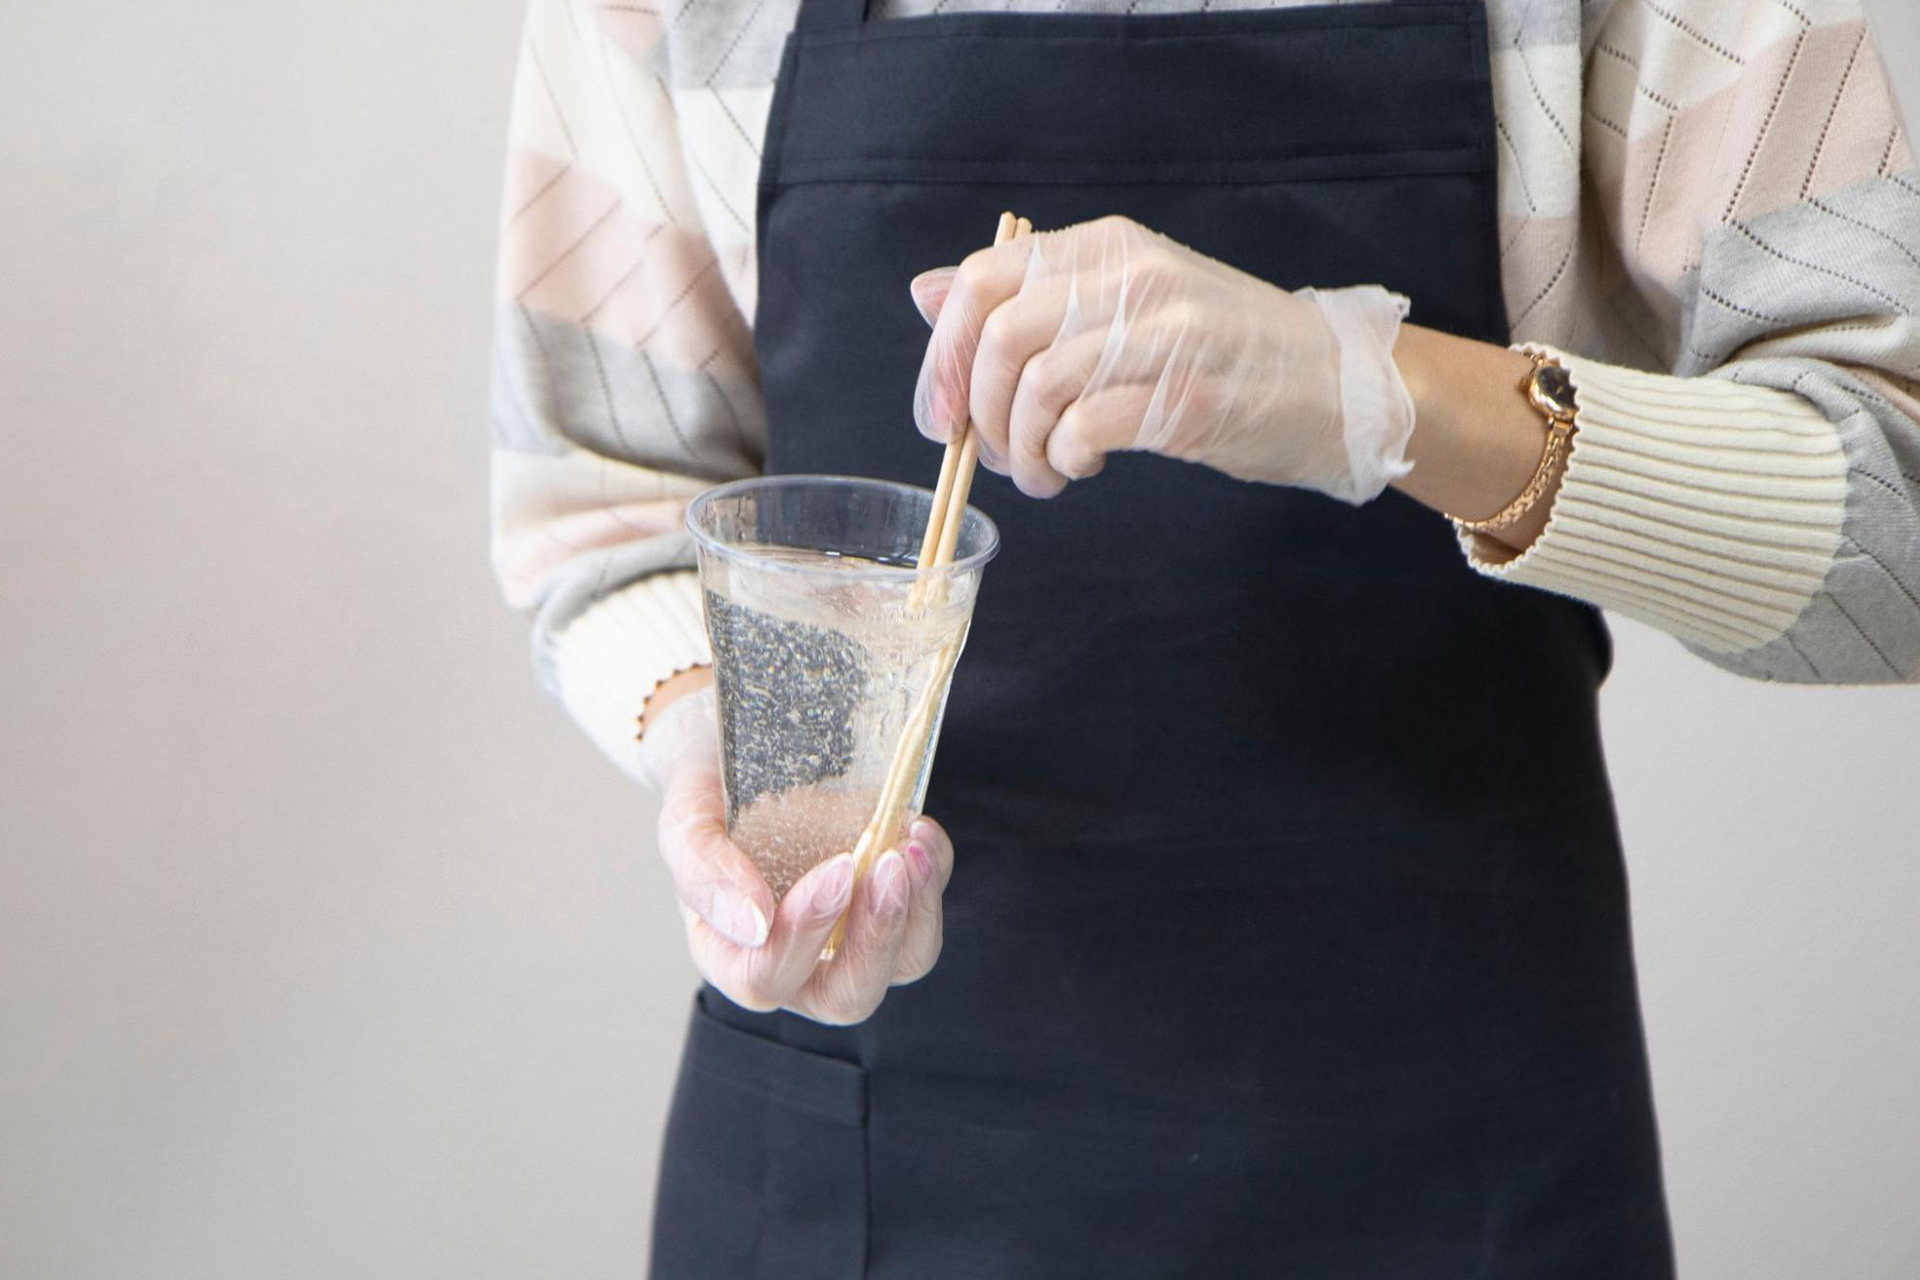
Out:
{"x": 763, "y": 956}
{"x": 1068, "y": 345}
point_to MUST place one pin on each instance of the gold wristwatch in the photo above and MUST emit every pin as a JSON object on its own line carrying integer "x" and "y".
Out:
{"x": 1549, "y": 388}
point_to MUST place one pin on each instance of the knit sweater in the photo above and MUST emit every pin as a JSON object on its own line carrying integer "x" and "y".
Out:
{"x": 1708, "y": 207}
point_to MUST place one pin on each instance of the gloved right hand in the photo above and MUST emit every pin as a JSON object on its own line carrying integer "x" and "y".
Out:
{"x": 765, "y": 956}
{"x": 1065, "y": 346}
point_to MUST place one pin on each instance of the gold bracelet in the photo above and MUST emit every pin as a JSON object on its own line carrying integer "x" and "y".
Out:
{"x": 1549, "y": 389}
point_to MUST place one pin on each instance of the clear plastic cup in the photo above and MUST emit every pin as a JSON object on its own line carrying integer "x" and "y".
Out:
{"x": 832, "y": 654}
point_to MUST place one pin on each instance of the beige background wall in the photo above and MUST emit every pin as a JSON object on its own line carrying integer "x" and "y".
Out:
{"x": 327, "y": 949}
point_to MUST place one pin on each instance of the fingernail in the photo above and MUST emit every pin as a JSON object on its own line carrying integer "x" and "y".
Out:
{"x": 921, "y": 862}
{"x": 832, "y": 886}
{"x": 944, "y": 421}
{"x": 924, "y": 417}
{"x": 890, "y": 886}
{"x": 923, "y": 830}
{"x": 738, "y": 918}
{"x": 929, "y": 290}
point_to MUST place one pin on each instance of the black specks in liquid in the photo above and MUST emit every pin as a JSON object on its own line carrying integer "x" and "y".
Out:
{"x": 787, "y": 692}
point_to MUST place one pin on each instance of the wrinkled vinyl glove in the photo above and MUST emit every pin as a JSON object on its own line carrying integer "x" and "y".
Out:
{"x": 766, "y": 956}
{"x": 1068, "y": 345}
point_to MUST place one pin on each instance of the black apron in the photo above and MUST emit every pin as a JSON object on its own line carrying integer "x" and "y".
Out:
{"x": 1288, "y": 934}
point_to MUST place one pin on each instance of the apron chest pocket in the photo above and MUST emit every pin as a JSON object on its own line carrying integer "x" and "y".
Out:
{"x": 763, "y": 1175}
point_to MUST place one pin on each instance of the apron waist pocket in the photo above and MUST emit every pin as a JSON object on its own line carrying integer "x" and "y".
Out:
{"x": 764, "y": 1169}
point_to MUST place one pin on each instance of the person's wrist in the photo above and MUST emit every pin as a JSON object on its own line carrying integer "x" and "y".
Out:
{"x": 669, "y": 691}
{"x": 1549, "y": 390}
{"x": 678, "y": 734}
{"x": 1476, "y": 439}
{"x": 1374, "y": 403}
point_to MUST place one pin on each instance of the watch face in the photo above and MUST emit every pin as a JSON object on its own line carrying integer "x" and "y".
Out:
{"x": 1555, "y": 385}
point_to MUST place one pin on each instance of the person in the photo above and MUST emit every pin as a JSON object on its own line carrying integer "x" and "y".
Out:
{"x": 1271, "y": 916}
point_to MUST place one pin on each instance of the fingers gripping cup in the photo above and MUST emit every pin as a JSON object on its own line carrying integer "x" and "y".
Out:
{"x": 832, "y": 653}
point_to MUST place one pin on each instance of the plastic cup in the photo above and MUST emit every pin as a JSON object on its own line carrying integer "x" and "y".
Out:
{"x": 828, "y": 645}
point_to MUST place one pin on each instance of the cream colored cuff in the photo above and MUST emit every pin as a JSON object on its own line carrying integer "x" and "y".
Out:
{"x": 1703, "y": 507}
{"x": 607, "y": 660}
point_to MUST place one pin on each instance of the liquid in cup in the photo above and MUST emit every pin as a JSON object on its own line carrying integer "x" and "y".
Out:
{"x": 822, "y": 651}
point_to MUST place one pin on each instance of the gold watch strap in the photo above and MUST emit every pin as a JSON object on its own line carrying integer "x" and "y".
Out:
{"x": 1560, "y": 429}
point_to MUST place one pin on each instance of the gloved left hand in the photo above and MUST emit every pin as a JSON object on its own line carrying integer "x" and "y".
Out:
{"x": 1067, "y": 345}
{"x": 763, "y": 955}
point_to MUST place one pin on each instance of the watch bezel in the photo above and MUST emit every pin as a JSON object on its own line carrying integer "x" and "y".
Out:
{"x": 1550, "y": 388}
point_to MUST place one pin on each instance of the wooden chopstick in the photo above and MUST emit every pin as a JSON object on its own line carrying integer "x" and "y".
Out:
{"x": 936, "y": 515}
{"x": 937, "y": 546}
{"x": 956, "y": 469}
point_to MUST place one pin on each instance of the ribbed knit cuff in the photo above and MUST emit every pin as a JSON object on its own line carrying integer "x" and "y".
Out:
{"x": 1706, "y": 508}
{"x": 610, "y": 658}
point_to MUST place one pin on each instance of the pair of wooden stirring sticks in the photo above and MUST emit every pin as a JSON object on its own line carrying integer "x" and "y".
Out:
{"x": 936, "y": 552}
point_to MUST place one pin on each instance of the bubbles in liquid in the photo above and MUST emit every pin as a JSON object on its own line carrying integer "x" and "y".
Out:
{"x": 816, "y": 677}
{"x": 788, "y": 833}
